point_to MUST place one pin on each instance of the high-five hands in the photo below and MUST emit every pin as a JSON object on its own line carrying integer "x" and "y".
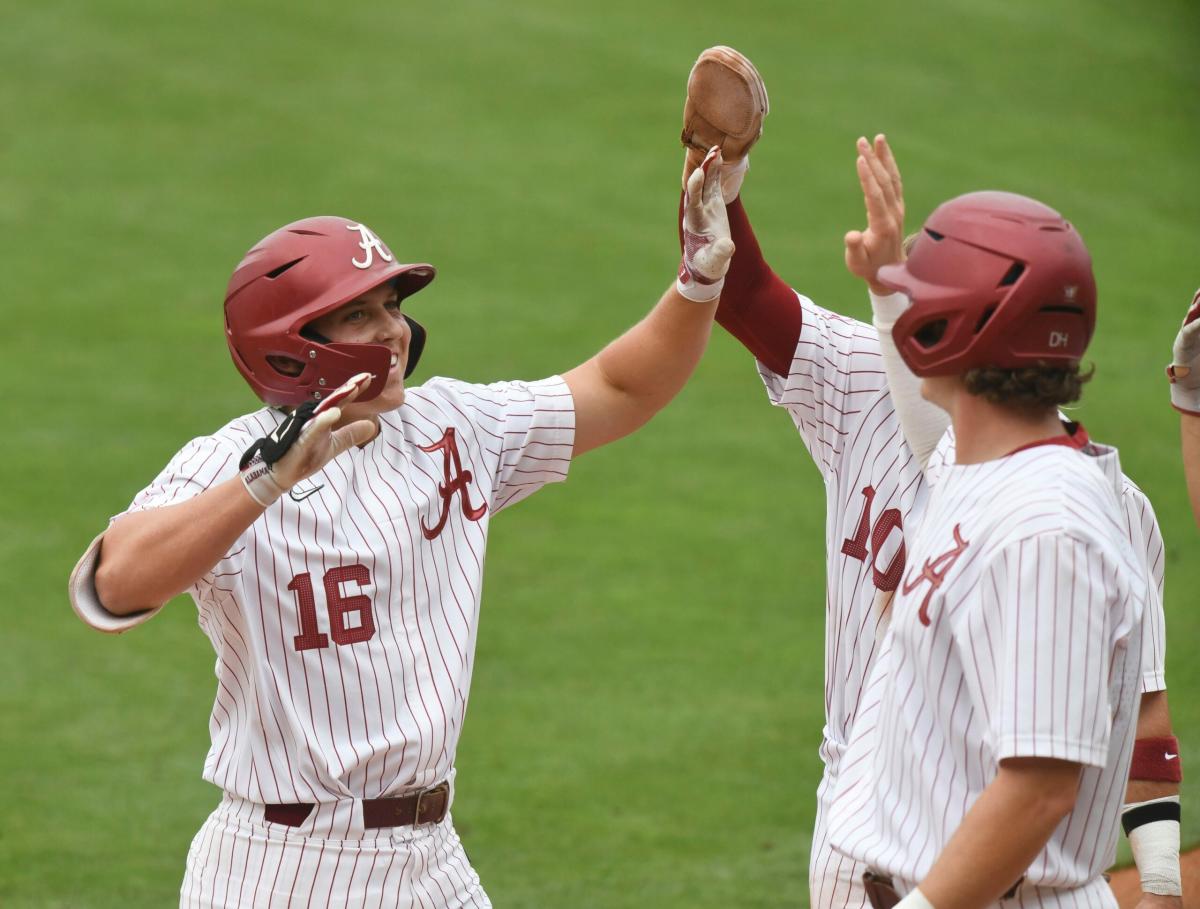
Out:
{"x": 882, "y": 243}
{"x": 707, "y": 247}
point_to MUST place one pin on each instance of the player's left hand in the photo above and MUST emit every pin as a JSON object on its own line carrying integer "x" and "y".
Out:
{"x": 304, "y": 443}
{"x": 707, "y": 246}
{"x": 882, "y": 243}
{"x": 1184, "y": 371}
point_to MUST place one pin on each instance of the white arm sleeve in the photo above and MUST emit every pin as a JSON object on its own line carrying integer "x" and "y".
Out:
{"x": 922, "y": 423}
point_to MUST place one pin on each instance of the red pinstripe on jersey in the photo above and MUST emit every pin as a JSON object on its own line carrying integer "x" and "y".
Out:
{"x": 1146, "y": 543}
{"x": 1033, "y": 649}
{"x": 381, "y": 711}
{"x": 836, "y": 394}
{"x": 837, "y": 397}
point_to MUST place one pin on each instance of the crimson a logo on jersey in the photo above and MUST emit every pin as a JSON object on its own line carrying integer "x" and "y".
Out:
{"x": 457, "y": 480}
{"x": 935, "y": 571}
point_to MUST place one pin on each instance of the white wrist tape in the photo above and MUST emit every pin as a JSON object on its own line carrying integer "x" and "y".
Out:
{"x": 1155, "y": 847}
{"x": 699, "y": 293}
{"x": 915, "y": 900}
{"x": 260, "y": 483}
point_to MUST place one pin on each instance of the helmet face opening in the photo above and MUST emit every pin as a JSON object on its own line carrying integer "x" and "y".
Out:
{"x": 929, "y": 334}
{"x": 291, "y": 278}
{"x": 285, "y": 366}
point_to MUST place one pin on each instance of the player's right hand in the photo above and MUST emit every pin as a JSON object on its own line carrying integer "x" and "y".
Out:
{"x": 707, "y": 245}
{"x": 1184, "y": 371}
{"x": 304, "y": 443}
{"x": 882, "y": 243}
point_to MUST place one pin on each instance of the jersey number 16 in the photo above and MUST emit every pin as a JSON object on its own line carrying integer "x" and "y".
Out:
{"x": 338, "y": 606}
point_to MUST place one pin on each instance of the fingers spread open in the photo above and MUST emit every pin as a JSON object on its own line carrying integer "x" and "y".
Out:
{"x": 882, "y": 177}
{"x": 884, "y": 151}
{"x": 877, "y": 210}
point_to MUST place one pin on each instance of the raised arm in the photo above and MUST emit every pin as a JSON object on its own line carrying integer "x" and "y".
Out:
{"x": 634, "y": 377}
{"x": 882, "y": 243}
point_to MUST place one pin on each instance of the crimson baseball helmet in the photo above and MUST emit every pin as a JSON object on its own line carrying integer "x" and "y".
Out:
{"x": 996, "y": 279}
{"x": 293, "y": 276}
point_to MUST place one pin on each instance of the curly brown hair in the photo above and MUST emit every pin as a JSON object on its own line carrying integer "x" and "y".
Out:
{"x": 1028, "y": 388}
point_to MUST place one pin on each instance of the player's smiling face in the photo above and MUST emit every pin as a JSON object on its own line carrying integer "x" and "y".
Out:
{"x": 373, "y": 318}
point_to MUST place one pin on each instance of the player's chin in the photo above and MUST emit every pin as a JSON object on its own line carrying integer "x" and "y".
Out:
{"x": 393, "y": 392}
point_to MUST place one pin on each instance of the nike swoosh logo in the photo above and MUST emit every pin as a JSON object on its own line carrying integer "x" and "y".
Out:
{"x": 304, "y": 495}
{"x": 1169, "y": 756}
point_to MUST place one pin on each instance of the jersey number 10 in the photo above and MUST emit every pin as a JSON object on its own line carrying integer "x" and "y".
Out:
{"x": 877, "y": 535}
{"x": 338, "y": 606}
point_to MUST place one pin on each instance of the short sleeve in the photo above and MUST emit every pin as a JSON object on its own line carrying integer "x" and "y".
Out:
{"x": 837, "y": 365}
{"x": 1146, "y": 541}
{"x": 534, "y": 423}
{"x": 1051, "y": 622}
{"x": 202, "y": 464}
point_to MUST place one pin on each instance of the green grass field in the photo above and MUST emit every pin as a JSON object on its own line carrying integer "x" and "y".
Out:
{"x": 647, "y": 700}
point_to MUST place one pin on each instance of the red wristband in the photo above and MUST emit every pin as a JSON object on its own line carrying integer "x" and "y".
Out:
{"x": 1156, "y": 760}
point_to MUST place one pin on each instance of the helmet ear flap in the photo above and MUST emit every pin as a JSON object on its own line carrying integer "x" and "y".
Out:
{"x": 415, "y": 345}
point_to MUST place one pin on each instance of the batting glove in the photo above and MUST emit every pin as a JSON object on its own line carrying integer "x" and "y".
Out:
{"x": 304, "y": 443}
{"x": 707, "y": 247}
{"x": 1184, "y": 371}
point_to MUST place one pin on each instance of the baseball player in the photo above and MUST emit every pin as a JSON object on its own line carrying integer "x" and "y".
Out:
{"x": 1184, "y": 375}
{"x": 863, "y": 457}
{"x": 989, "y": 755}
{"x": 1151, "y": 814}
{"x": 334, "y": 541}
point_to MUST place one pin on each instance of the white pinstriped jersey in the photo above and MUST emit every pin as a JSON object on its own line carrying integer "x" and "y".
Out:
{"x": 837, "y": 395}
{"x": 1146, "y": 542}
{"x": 1015, "y": 633}
{"x": 344, "y": 618}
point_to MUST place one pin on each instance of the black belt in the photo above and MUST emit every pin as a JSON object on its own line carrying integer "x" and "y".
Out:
{"x": 429, "y": 806}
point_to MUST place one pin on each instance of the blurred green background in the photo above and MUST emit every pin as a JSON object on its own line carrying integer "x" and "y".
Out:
{"x": 647, "y": 699}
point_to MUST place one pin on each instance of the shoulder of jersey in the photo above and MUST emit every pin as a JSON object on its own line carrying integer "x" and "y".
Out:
{"x": 241, "y": 432}
{"x": 1063, "y": 489}
{"x": 431, "y": 391}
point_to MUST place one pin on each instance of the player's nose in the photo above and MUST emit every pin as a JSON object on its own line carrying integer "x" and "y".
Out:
{"x": 392, "y": 327}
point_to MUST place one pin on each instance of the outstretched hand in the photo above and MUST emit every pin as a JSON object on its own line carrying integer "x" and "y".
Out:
{"x": 304, "y": 443}
{"x": 707, "y": 246}
{"x": 882, "y": 243}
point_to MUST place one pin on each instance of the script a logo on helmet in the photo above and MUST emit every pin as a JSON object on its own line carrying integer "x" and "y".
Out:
{"x": 369, "y": 244}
